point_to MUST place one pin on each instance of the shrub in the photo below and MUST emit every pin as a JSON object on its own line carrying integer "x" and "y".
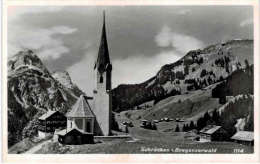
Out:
{"x": 186, "y": 69}
{"x": 203, "y": 73}
{"x": 180, "y": 75}
{"x": 200, "y": 61}
{"x": 190, "y": 87}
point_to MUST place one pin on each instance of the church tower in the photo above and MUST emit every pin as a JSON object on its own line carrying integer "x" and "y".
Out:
{"x": 102, "y": 97}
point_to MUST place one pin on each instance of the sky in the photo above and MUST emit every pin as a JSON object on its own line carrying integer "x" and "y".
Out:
{"x": 141, "y": 39}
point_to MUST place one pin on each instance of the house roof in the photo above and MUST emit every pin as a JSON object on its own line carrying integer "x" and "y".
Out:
{"x": 243, "y": 136}
{"x": 67, "y": 131}
{"x": 210, "y": 129}
{"x": 81, "y": 109}
{"x": 47, "y": 114}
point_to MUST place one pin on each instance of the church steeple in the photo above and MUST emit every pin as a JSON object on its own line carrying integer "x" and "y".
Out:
{"x": 103, "y": 62}
{"x": 102, "y": 94}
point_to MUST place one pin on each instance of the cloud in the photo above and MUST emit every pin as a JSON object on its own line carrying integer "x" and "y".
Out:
{"x": 132, "y": 70}
{"x": 181, "y": 42}
{"x": 140, "y": 68}
{"x": 82, "y": 72}
{"x": 15, "y": 12}
{"x": 61, "y": 37}
{"x": 246, "y": 22}
{"x": 40, "y": 40}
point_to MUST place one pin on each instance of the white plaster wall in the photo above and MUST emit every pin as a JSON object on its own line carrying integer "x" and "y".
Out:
{"x": 102, "y": 106}
{"x": 41, "y": 134}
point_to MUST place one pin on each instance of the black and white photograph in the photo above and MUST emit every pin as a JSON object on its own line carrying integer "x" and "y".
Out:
{"x": 175, "y": 79}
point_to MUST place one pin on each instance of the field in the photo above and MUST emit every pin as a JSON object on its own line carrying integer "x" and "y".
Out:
{"x": 148, "y": 141}
{"x": 26, "y": 145}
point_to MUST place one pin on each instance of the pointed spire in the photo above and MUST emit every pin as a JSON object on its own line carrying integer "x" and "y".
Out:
{"x": 103, "y": 55}
{"x": 104, "y": 18}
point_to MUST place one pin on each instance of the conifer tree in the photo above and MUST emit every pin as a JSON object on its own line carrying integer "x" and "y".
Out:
{"x": 177, "y": 129}
{"x": 192, "y": 126}
{"x": 184, "y": 128}
{"x": 246, "y": 63}
{"x": 216, "y": 117}
{"x": 207, "y": 117}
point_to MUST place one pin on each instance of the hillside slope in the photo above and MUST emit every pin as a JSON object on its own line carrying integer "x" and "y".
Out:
{"x": 236, "y": 112}
{"x": 239, "y": 82}
{"x": 188, "y": 106}
{"x": 196, "y": 70}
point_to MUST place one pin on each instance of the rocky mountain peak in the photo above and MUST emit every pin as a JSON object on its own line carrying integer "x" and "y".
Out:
{"x": 64, "y": 78}
{"x": 25, "y": 60}
{"x": 32, "y": 90}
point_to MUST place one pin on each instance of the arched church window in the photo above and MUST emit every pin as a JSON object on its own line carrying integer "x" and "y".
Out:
{"x": 101, "y": 79}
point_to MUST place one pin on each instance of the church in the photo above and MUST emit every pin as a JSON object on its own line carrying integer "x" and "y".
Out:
{"x": 95, "y": 119}
{"x": 99, "y": 114}
{"x": 102, "y": 107}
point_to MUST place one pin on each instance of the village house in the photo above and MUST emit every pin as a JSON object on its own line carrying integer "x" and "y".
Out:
{"x": 212, "y": 133}
{"x": 50, "y": 121}
{"x": 74, "y": 137}
{"x": 244, "y": 137}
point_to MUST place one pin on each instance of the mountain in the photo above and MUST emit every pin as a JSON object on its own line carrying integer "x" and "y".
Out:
{"x": 196, "y": 70}
{"x": 239, "y": 82}
{"x": 32, "y": 90}
{"x": 65, "y": 81}
{"x": 64, "y": 78}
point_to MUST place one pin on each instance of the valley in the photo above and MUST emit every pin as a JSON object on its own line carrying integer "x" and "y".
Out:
{"x": 211, "y": 87}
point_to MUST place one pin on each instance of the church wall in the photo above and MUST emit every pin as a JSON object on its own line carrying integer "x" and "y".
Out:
{"x": 70, "y": 123}
{"x": 81, "y": 123}
{"x": 102, "y": 107}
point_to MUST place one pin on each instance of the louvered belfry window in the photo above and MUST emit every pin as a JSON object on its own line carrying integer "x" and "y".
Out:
{"x": 101, "y": 79}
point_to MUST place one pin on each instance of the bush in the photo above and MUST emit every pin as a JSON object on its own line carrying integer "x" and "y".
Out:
{"x": 186, "y": 69}
{"x": 31, "y": 129}
{"x": 180, "y": 75}
{"x": 190, "y": 87}
{"x": 200, "y": 60}
{"x": 203, "y": 73}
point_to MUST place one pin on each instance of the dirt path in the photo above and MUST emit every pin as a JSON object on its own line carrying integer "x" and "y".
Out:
{"x": 36, "y": 148}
